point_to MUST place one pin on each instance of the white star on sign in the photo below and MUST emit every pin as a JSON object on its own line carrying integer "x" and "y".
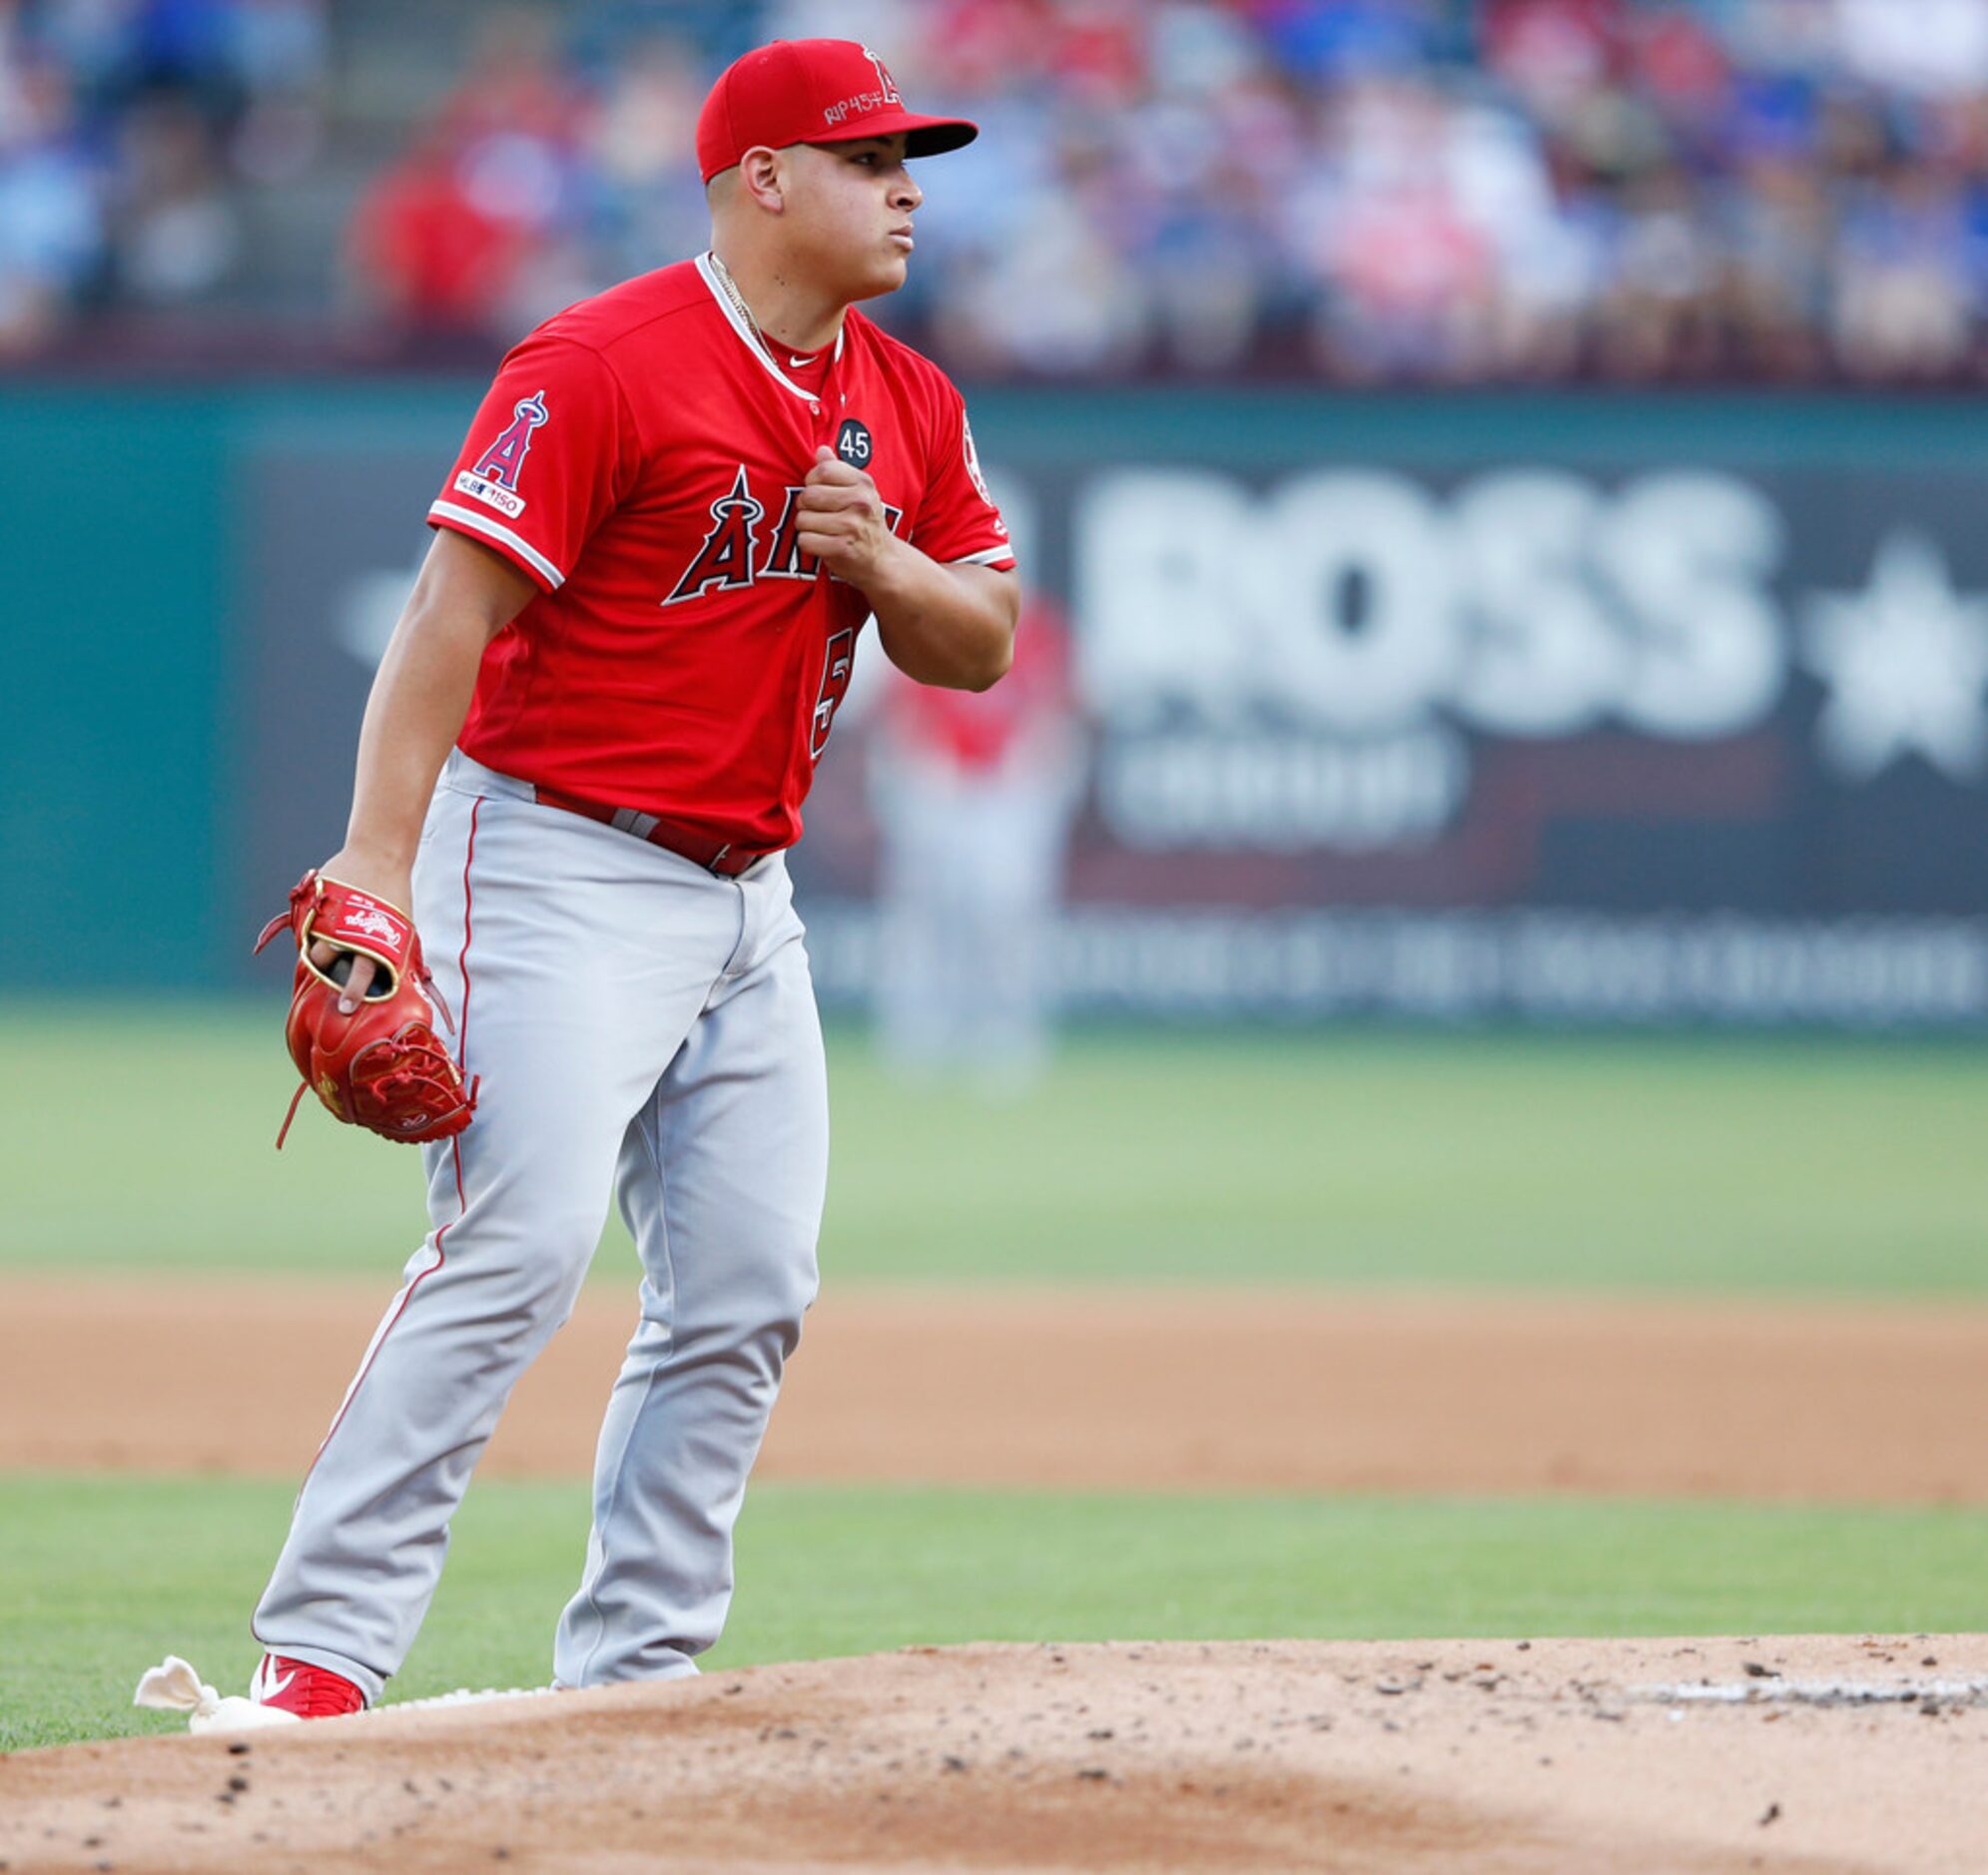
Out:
{"x": 1906, "y": 663}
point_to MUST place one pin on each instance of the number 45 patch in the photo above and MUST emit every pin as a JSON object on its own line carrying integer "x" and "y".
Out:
{"x": 853, "y": 444}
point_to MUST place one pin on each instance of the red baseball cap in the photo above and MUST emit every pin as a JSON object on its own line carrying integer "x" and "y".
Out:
{"x": 813, "y": 91}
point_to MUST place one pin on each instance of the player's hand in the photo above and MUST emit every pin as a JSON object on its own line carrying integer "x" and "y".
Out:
{"x": 350, "y": 867}
{"x": 841, "y": 520}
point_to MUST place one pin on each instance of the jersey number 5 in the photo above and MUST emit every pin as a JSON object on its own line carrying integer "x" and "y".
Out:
{"x": 837, "y": 662}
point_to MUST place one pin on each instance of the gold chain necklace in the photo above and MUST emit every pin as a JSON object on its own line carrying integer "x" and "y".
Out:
{"x": 730, "y": 288}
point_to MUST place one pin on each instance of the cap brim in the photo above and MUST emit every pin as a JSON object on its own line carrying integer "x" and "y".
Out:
{"x": 923, "y": 136}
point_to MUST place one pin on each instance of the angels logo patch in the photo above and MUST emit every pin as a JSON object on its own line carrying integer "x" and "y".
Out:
{"x": 493, "y": 481}
{"x": 865, "y": 102}
{"x": 973, "y": 456}
{"x": 883, "y": 78}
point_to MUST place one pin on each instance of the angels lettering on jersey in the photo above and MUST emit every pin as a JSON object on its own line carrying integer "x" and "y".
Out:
{"x": 739, "y": 553}
{"x": 494, "y": 478}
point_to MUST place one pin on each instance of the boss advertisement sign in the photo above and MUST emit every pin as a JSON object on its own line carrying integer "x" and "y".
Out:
{"x": 1314, "y": 666}
{"x": 1676, "y": 744}
{"x": 1658, "y": 736}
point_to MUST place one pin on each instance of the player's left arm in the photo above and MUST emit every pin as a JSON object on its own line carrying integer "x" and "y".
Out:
{"x": 952, "y": 626}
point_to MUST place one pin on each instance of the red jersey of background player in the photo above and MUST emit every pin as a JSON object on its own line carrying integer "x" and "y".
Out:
{"x": 640, "y": 456}
{"x": 979, "y": 735}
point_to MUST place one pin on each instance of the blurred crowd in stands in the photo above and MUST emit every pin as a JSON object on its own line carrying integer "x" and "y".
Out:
{"x": 1360, "y": 190}
{"x": 128, "y": 130}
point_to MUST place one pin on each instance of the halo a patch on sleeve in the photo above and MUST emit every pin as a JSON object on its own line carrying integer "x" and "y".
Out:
{"x": 494, "y": 479}
{"x": 972, "y": 457}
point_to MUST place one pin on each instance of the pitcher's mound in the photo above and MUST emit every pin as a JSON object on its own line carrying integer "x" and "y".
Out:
{"x": 1815, "y": 1754}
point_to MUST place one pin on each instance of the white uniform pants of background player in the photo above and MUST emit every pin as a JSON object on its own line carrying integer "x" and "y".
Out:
{"x": 970, "y": 884}
{"x": 640, "y": 1026}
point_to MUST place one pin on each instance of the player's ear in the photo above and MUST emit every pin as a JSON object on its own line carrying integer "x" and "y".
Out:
{"x": 763, "y": 177}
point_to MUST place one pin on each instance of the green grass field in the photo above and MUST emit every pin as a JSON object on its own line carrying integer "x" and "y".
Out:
{"x": 98, "y": 1576}
{"x": 139, "y": 1140}
{"x": 1578, "y": 1162}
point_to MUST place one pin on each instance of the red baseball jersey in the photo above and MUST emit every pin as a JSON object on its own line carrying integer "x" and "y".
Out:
{"x": 976, "y": 734}
{"x": 641, "y": 455}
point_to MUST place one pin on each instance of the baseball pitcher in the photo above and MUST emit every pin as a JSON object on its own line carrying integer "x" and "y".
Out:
{"x": 583, "y": 759}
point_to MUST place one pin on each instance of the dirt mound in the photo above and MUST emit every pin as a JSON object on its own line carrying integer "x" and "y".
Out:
{"x": 1674, "y": 1755}
{"x": 1205, "y": 1389}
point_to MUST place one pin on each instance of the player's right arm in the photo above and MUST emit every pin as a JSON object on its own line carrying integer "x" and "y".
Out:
{"x": 464, "y": 596}
{"x": 548, "y": 455}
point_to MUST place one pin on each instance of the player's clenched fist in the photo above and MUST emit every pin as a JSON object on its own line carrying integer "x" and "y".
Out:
{"x": 842, "y": 520}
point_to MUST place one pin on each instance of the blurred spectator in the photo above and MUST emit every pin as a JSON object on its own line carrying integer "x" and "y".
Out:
{"x": 647, "y": 204}
{"x": 176, "y": 228}
{"x": 477, "y": 228}
{"x": 427, "y": 257}
{"x": 1901, "y": 303}
{"x": 51, "y": 218}
{"x": 130, "y": 130}
{"x": 1930, "y": 47}
{"x": 1405, "y": 281}
{"x": 1782, "y": 238}
{"x": 1413, "y": 190}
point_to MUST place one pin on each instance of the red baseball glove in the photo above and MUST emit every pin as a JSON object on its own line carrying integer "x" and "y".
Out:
{"x": 382, "y": 1067}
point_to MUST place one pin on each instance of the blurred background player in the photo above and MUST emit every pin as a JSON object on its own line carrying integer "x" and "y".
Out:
{"x": 973, "y": 795}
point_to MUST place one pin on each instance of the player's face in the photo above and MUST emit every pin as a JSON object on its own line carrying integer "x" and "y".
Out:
{"x": 849, "y": 208}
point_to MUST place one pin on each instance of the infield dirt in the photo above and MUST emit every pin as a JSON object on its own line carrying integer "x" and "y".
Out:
{"x": 1816, "y": 1754}
{"x": 1096, "y": 1389}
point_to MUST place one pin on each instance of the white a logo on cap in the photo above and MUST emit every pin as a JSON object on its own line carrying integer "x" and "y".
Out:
{"x": 883, "y": 78}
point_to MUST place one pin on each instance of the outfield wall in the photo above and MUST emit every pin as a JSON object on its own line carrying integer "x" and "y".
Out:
{"x": 1664, "y": 709}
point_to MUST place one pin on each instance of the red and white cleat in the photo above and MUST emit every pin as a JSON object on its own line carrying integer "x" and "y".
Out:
{"x": 302, "y": 1690}
{"x": 283, "y": 1691}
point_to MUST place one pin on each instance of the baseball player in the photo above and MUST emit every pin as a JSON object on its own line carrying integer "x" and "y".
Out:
{"x": 583, "y": 758}
{"x": 974, "y": 798}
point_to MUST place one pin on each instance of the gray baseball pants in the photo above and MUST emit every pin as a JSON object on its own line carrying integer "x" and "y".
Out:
{"x": 641, "y": 1027}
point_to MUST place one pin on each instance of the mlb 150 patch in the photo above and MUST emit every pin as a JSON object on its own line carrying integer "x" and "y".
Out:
{"x": 491, "y": 495}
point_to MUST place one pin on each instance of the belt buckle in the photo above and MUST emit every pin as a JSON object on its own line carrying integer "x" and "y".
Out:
{"x": 717, "y": 860}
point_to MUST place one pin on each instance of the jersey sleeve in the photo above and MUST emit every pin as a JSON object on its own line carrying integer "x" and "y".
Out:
{"x": 546, "y": 459}
{"x": 958, "y": 520}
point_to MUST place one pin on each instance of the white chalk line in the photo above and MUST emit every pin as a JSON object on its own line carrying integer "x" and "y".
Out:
{"x": 1773, "y": 1691}
{"x": 463, "y": 1696}
{"x": 1768, "y": 1690}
